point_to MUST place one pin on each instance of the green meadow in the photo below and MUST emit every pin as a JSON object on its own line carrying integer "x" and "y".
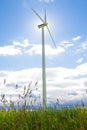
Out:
{"x": 64, "y": 119}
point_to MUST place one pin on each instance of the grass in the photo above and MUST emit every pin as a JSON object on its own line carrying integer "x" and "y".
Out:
{"x": 64, "y": 119}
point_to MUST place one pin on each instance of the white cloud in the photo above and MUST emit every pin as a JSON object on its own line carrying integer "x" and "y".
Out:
{"x": 10, "y": 50}
{"x": 66, "y": 44}
{"x": 84, "y": 45}
{"x": 25, "y": 48}
{"x": 24, "y": 44}
{"x": 82, "y": 69}
{"x": 76, "y": 38}
{"x": 61, "y": 73}
{"x": 66, "y": 84}
{"x": 79, "y": 60}
{"x": 36, "y": 49}
{"x": 15, "y": 49}
{"x": 57, "y": 73}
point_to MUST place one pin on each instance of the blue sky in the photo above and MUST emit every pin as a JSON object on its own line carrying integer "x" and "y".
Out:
{"x": 20, "y": 45}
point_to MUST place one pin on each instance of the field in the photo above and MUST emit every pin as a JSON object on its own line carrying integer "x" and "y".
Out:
{"x": 64, "y": 119}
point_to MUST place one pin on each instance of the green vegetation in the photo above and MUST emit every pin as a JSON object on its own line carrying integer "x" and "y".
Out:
{"x": 64, "y": 119}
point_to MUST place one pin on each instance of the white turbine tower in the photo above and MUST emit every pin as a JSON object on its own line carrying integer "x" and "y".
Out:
{"x": 44, "y": 24}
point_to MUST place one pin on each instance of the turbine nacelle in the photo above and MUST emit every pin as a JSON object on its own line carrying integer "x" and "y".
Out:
{"x": 43, "y": 25}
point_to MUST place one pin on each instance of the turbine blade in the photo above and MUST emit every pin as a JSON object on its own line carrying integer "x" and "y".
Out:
{"x": 51, "y": 36}
{"x": 38, "y": 15}
{"x": 45, "y": 17}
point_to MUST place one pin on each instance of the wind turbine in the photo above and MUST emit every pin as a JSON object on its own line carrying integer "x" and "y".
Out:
{"x": 42, "y": 26}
